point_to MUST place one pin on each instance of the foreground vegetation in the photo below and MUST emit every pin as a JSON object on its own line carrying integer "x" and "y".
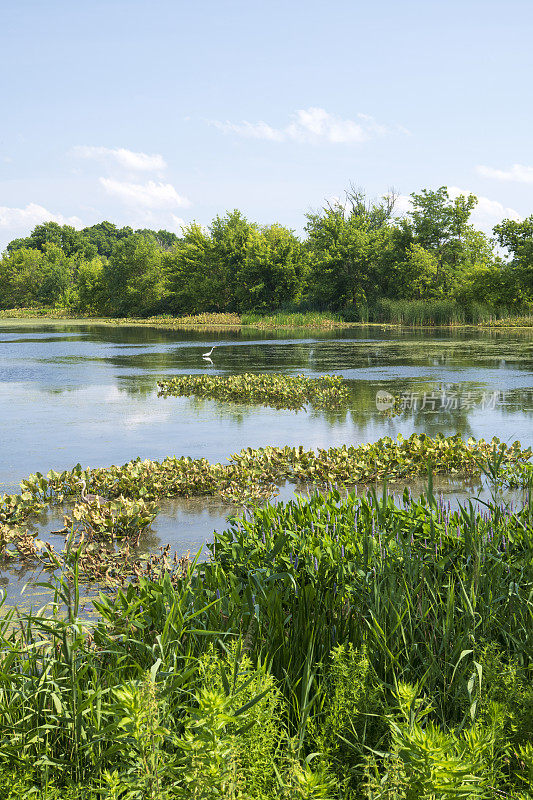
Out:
{"x": 337, "y": 647}
{"x": 359, "y": 260}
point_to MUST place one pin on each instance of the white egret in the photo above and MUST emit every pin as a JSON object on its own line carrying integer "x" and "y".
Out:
{"x": 207, "y": 355}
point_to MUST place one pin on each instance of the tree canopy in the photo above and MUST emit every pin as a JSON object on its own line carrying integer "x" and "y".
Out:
{"x": 355, "y": 253}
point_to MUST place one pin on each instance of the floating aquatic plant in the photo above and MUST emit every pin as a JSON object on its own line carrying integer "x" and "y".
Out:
{"x": 121, "y": 518}
{"x": 253, "y": 474}
{"x": 277, "y": 390}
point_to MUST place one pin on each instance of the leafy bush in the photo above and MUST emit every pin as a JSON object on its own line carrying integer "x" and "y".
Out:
{"x": 426, "y": 762}
{"x": 350, "y": 719}
{"x": 259, "y": 727}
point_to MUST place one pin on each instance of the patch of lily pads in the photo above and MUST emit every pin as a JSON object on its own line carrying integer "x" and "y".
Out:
{"x": 276, "y": 390}
{"x": 249, "y": 478}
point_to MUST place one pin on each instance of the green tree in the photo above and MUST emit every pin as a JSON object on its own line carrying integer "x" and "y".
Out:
{"x": 164, "y": 239}
{"x": 134, "y": 277}
{"x": 104, "y": 236}
{"x": 30, "y": 277}
{"x": 67, "y": 238}
{"x": 420, "y": 271}
{"x": 517, "y": 237}
{"x": 190, "y": 278}
{"x": 229, "y": 236}
{"x": 90, "y": 285}
{"x": 271, "y": 273}
{"x": 441, "y": 226}
{"x": 350, "y": 249}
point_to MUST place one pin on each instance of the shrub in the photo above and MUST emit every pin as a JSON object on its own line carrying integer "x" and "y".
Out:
{"x": 351, "y": 718}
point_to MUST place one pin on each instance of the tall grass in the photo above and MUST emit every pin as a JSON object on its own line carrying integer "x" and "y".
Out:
{"x": 430, "y": 312}
{"x": 525, "y": 321}
{"x": 393, "y": 636}
{"x": 206, "y": 319}
{"x": 307, "y": 319}
{"x": 48, "y": 312}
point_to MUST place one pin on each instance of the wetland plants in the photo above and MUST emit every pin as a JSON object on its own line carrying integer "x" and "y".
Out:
{"x": 343, "y": 647}
{"x": 277, "y": 390}
{"x": 334, "y": 647}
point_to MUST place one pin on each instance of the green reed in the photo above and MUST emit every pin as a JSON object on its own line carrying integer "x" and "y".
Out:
{"x": 316, "y": 320}
{"x": 429, "y": 312}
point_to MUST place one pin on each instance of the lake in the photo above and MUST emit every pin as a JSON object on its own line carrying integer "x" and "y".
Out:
{"x": 77, "y": 391}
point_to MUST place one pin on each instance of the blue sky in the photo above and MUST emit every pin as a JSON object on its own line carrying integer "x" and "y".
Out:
{"x": 163, "y": 112}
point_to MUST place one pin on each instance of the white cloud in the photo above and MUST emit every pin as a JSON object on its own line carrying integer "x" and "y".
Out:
{"x": 403, "y": 205}
{"x": 150, "y": 195}
{"x": 312, "y": 126}
{"x": 33, "y": 214}
{"x": 124, "y": 158}
{"x": 251, "y": 130}
{"x": 178, "y": 222}
{"x": 518, "y": 173}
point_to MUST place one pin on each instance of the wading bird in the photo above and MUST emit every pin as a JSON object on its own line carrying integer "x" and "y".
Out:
{"x": 90, "y": 498}
{"x": 206, "y": 355}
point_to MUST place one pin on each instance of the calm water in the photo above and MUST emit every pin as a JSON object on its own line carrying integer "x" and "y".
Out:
{"x": 77, "y": 392}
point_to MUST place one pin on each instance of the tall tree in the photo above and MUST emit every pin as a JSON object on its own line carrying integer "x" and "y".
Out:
{"x": 441, "y": 226}
{"x": 271, "y": 274}
{"x": 134, "y": 277}
{"x": 30, "y": 277}
{"x": 517, "y": 237}
{"x": 229, "y": 236}
{"x": 350, "y": 246}
{"x": 104, "y": 236}
{"x": 191, "y": 281}
{"x": 66, "y": 237}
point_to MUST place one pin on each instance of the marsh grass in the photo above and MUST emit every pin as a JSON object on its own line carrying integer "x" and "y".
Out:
{"x": 208, "y": 320}
{"x": 340, "y": 646}
{"x": 46, "y": 312}
{"x": 410, "y": 313}
{"x": 525, "y": 321}
{"x": 394, "y": 635}
{"x": 430, "y": 313}
{"x": 317, "y": 320}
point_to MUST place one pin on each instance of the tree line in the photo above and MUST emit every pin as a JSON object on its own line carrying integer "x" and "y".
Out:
{"x": 355, "y": 254}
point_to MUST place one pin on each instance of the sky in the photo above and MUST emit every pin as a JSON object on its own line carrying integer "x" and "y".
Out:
{"x": 156, "y": 114}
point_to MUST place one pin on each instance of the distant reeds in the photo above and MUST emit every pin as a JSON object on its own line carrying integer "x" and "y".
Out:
{"x": 319, "y": 320}
{"x": 429, "y": 313}
{"x": 411, "y": 313}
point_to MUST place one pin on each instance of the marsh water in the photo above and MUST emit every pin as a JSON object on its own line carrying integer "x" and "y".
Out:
{"x": 87, "y": 392}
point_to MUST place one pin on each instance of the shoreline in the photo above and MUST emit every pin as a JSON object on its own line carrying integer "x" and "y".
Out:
{"x": 236, "y": 324}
